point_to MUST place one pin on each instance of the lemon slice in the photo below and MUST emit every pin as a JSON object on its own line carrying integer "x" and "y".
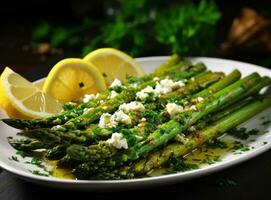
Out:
{"x": 72, "y": 78}
{"x": 113, "y": 63}
{"x": 22, "y": 99}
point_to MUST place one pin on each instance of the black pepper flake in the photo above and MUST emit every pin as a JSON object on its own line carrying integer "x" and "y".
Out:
{"x": 104, "y": 75}
{"x": 81, "y": 84}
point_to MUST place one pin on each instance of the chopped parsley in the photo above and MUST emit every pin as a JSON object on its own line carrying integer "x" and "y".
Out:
{"x": 21, "y": 153}
{"x": 217, "y": 143}
{"x": 211, "y": 160}
{"x": 35, "y": 161}
{"x": 37, "y": 172}
{"x": 240, "y": 147}
{"x": 14, "y": 158}
{"x": 266, "y": 122}
{"x": 243, "y": 133}
{"x": 178, "y": 165}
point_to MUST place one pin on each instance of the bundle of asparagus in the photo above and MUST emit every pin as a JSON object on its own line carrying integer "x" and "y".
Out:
{"x": 135, "y": 127}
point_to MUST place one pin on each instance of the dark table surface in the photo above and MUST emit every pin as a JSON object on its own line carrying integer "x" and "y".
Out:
{"x": 249, "y": 180}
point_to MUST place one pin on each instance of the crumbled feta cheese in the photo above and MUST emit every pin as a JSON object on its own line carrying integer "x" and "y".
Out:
{"x": 88, "y": 97}
{"x": 200, "y": 99}
{"x": 115, "y": 83}
{"x": 145, "y": 93}
{"x": 101, "y": 101}
{"x": 132, "y": 106}
{"x": 143, "y": 119}
{"x": 120, "y": 116}
{"x": 141, "y": 125}
{"x": 167, "y": 85}
{"x": 87, "y": 109}
{"x": 155, "y": 79}
{"x": 163, "y": 87}
{"x": 193, "y": 107}
{"x": 178, "y": 84}
{"x": 134, "y": 85}
{"x": 106, "y": 121}
{"x": 192, "y": 129}
{"x": 55, "y": 128}
{"x": 118, "y": 141}
{"x": 113, "y": 94}
{"x": 104, "y": 107}
{"x": 173, "y": 108}
{"x": 181, "y": 138}
{"x": 97, "y": 95}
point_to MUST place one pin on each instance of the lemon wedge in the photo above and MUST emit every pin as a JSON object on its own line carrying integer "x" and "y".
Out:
{"x": 113, "y": 63}
{"x": 72, "y": 78}
{"x": 22, "y": 99}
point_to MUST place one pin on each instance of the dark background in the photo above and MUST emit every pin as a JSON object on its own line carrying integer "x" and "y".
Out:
{"x": 18, "y": 18}
{"x": 250, "y": 180}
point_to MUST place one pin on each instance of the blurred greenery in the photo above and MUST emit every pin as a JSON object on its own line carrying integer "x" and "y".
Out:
{"x": 139, "y": 27}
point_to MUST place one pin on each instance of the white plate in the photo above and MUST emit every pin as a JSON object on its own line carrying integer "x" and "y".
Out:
{"x": 22, "y": 170}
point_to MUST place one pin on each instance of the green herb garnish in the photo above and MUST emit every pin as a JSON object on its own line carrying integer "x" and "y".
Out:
{"x": 240, "y": 147}
{"x": 243, "y": 133}
{"x": 178, "y": 165}
{"x": 14, "y": 158}
{"x": 37, "y": 172}
{"x": 217, "y": 143}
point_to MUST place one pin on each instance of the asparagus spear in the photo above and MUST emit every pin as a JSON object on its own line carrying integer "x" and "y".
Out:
{"x": 26, "y": 144}
{"x": 214, "y": 130}
{"x": 135, "y": 116}
{"x": 103, "y": 149}
{"x": 173, "y": 63}
{"x": 181, "y": 122}
{"x": 126, "y": 96}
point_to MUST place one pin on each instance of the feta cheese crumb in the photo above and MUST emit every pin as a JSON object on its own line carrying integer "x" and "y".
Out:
{"x": 193, "y": 107}
{"x": 88, "y": 97}
{"x": 102, "y": 101}
{"x": 143, "y": 119}
{"x": 120, "y": 116}
{"x": 87, "y": 109}
{"x": 167, "y": 85}
{"x": 134, "y": 85}
{"x": 192, "y": 129}
{"x": 106, "y": 121}
{"x": 55, "y": 128}
{"x": 163, "y": 87}
{"x": 145, "y": 93}
{"x": 181, "y": 138}
{"x": 200, "y": 99}
{"x": 173, "y": 109}
{"x": 115, "y": 83}
{"x": 155, "y": 79}
{"x": 97, "y": 95}
{"x": 178, "y": 84}
{"x": 113, "y": 94}
{"x": 118, "y": 141}
{"x": 132, "y": 106}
